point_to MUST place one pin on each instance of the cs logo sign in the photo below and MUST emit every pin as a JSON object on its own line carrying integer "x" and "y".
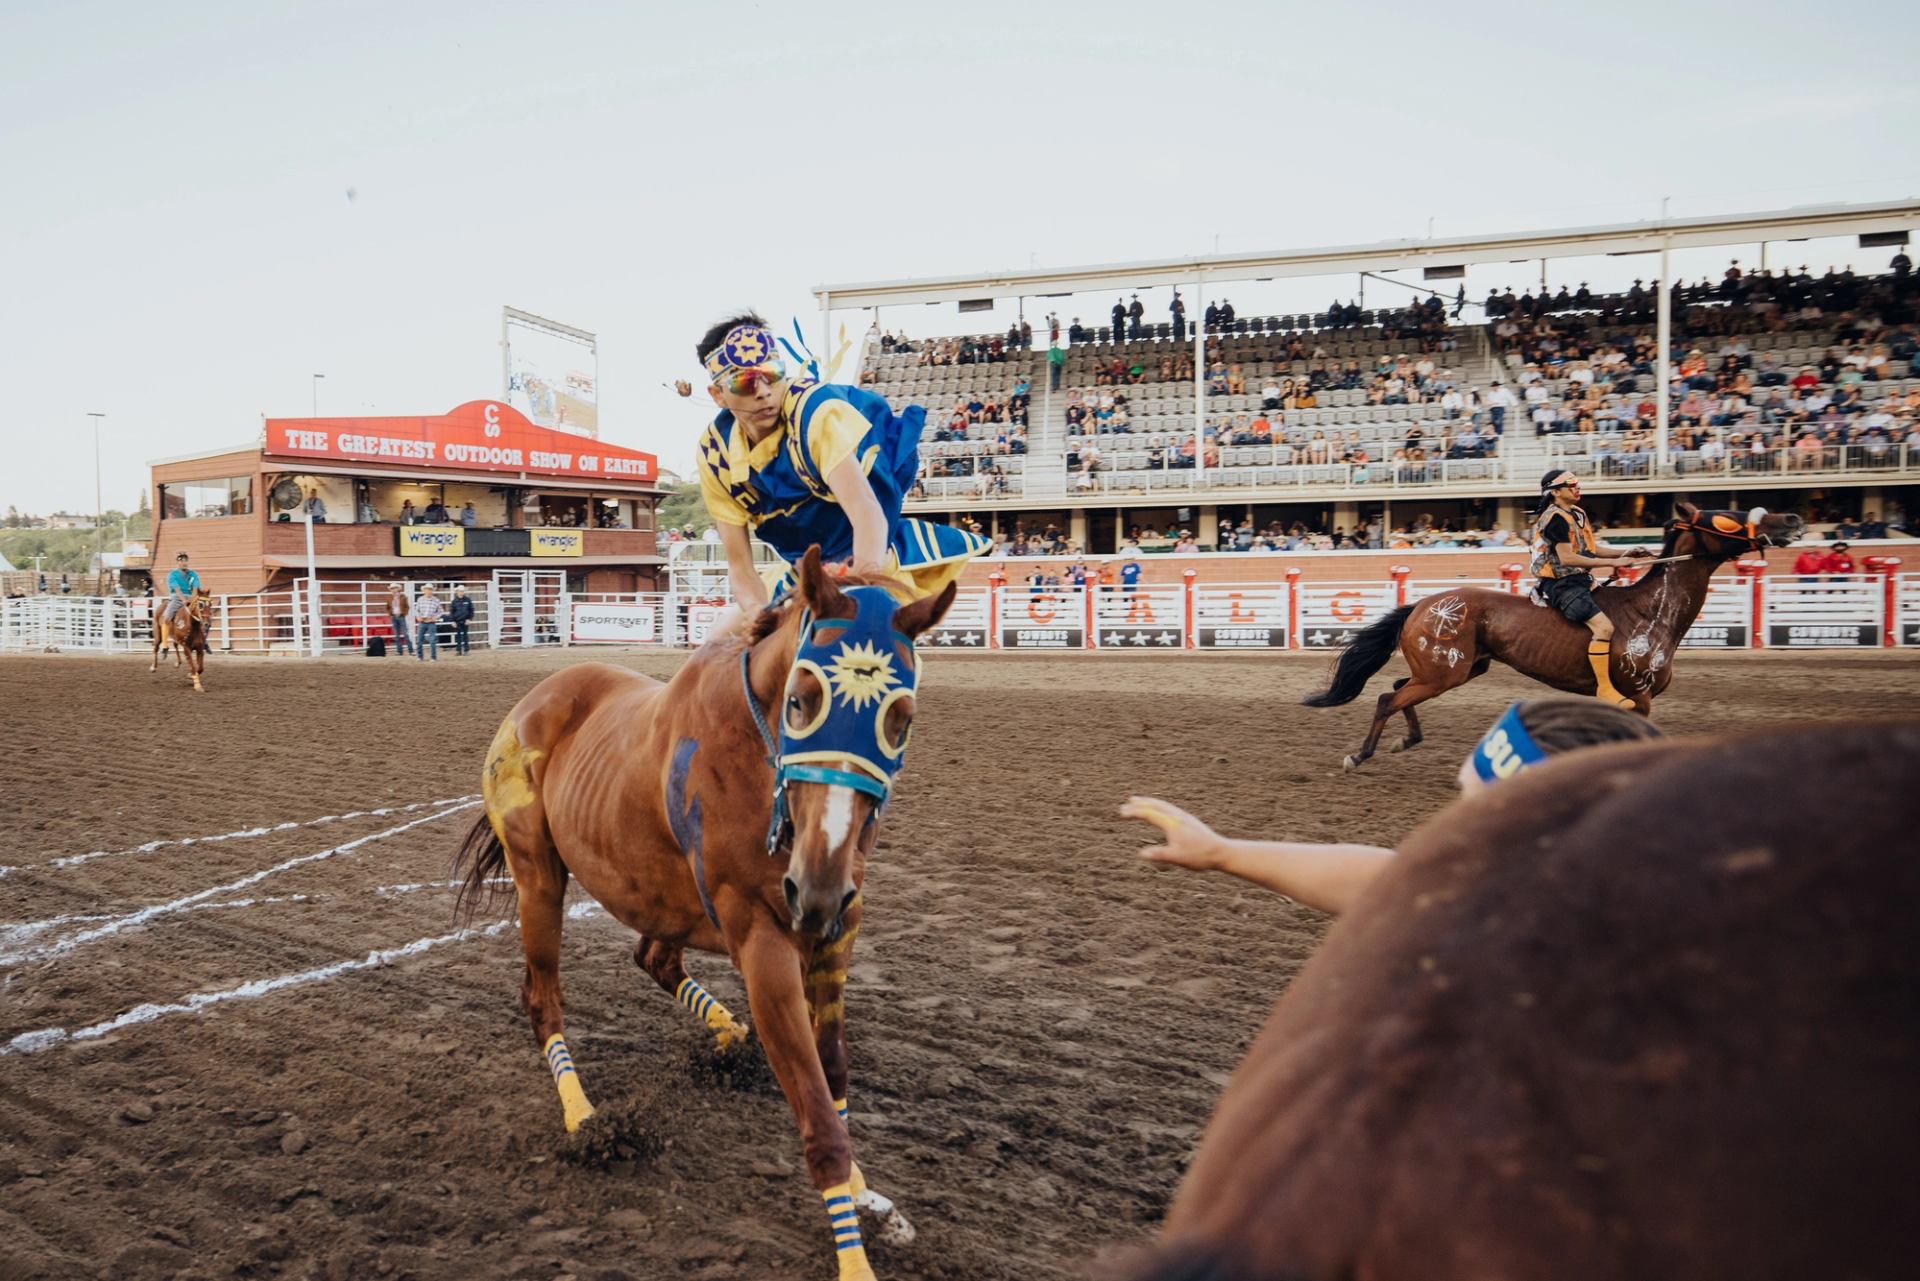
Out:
{"x": 492, "y": 421}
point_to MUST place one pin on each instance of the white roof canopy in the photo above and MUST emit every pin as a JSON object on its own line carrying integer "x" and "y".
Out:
{"x": 1804, "y": 223}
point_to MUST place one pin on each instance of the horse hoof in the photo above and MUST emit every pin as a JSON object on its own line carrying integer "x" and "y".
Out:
{"x": 890, "y": 1227}
{"x": 1350, "y": 763}
{"x": 1406, "y": 744}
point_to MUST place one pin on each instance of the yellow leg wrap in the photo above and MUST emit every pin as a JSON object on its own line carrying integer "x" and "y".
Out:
{"x": 573, "y": 1099}
{"x": 727, "y": 1030}
{"x": 1599, "y": 655}
{"x": 845, "y": 1222}
{"x": 856, "y": 1180}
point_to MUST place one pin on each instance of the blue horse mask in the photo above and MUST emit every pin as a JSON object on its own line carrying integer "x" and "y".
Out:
{"x": 864, "y": 666}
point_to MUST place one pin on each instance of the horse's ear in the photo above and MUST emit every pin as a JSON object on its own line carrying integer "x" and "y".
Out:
{"x": 1686, "y": 511}
{"x": 818, "y": 592}
{"x": 913, "y": 619}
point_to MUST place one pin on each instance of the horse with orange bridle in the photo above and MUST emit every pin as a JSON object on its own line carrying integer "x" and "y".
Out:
{"x": 186, "y": 633}
{"x": 1453, "y": 636}
{"x": 697, "y": 826}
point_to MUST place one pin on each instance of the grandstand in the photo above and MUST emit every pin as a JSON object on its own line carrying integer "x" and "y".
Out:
{"x": 1787, "y": 389}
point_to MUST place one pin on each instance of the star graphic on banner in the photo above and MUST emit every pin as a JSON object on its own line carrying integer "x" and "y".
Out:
{"x": 943, "y": 638}
{"x": 1139, "y": 638}
{"x": 1113, "y": 638}
{"x": 1164, "y": 638}
{"x": 1317, "y": 638}
{"x": 970, "y": 639}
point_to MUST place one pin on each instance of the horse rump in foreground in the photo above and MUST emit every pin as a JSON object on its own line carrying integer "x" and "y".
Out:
{"x": 186, "y": 634}
{"x": 673, "y": 806}
{"x": 1453, "y": 636}
{"x": 1642, "y": 1012}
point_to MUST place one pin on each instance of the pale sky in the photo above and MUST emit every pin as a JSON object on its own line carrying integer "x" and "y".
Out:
{"x": 179, "y": 249}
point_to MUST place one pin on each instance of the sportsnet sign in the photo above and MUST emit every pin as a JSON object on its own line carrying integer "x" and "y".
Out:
{"x": 481, "y": 435}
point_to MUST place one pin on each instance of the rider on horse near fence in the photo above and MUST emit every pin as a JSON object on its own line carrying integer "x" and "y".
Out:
{"x": 1564, "y": 551}
{"x": 802, "y": 463}
{"x": 182, "y": 583}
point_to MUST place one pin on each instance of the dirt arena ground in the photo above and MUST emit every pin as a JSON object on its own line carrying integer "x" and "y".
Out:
{"x": 1039, "y": 1024}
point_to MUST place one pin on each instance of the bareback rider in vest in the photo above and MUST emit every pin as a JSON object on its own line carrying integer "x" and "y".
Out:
{"x": 1564, "y": 550}
{"x": 800, "y": 463}
{"x": 182, "y": 583}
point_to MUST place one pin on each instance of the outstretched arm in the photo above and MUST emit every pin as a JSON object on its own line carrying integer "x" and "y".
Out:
{"x": 1327, "y": 877}
{"x": 749, "y": 593}
{"x": 855, "y": 495}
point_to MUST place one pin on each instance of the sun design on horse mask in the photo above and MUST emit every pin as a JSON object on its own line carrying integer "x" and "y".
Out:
{"x": 861, "y": 674}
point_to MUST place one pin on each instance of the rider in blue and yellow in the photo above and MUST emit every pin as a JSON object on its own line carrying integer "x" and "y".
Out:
{"x": 799, "y": 463}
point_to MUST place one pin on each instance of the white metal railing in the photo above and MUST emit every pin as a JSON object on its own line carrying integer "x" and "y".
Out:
{"x": 1590, "y": 458}
{"x": 1049, "y": 618}
{"x": 1242, "y": 616}
{"x": 1827, "y": 612}
{"x": 1331, "y": 613}
{"x": 968, "y": 623}
{"x": 1906, "y": 602}
{"x": 1142, "y": 617}
{"x": 1794, "y": 611}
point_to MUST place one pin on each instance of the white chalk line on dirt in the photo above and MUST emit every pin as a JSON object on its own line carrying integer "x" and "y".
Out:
{"x": 13, "y": 934}
{"x": 247, "y": 833}
{"x": 113, "y": 925}
{"x": 47, "y": 1038}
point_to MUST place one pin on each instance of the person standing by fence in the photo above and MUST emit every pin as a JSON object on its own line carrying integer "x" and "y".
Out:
{"x": 397, "y": 616}
{"x": 460, "y": 614}
{"x": 427, "y": 611}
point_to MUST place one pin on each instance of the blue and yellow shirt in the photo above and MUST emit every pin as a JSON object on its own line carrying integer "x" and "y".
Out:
{"x": 778, "y": 487}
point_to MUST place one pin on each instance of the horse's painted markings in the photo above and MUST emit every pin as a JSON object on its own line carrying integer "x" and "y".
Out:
{"x": 507, "y": 784}
{"x": 683, "y": 817}
{"x": 1446, "y": 612}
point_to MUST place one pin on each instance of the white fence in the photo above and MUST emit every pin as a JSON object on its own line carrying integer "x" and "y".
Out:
{"x": 531, "y": 607}
{"x": 1256, "y": 616}
{"x": 1143, "y": 617}
{"x": 968, "y": 623}
{"x": 1841, "y": 611}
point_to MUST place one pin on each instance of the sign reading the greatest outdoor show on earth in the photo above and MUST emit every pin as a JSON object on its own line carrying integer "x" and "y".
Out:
{"x": 481, "y": 435}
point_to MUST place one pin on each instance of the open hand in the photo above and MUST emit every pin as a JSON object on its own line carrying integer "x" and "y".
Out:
{"x": 1190, "y": 843}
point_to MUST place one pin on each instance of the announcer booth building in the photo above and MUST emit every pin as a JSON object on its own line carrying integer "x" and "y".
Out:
{"x": 390, "y": 499}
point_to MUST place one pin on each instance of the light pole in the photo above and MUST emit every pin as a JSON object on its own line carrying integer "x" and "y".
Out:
{"x": 99, "y": 511}
{"x": 316, "y": 394}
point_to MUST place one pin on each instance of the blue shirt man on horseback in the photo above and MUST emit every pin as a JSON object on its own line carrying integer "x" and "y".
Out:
{"x": 1565, "y": 552}
{"x": 797, "y": 463}
{"x": 182, "y": 583}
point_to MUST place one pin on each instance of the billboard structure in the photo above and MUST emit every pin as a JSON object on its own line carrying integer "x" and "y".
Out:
{"x": 550, "y": 372}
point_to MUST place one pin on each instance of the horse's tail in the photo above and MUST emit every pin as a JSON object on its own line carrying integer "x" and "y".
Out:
{"x": 1366, "y": 654}
{"x": 480, "y": 859}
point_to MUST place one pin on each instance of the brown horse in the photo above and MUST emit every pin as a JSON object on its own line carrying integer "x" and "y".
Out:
{"x": 674, "y": 808}
{"x": 186, "y": 633}
{"x": 1453, "y": 636}
{"x": 1644, "y": 1012}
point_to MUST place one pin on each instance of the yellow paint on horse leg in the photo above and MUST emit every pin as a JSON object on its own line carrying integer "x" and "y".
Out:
{"x": 727, "y": 1030}
{"x": 507, "y": 784}
{"x": 573, "y": 1099}
{"x": 845, "y": 1222}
